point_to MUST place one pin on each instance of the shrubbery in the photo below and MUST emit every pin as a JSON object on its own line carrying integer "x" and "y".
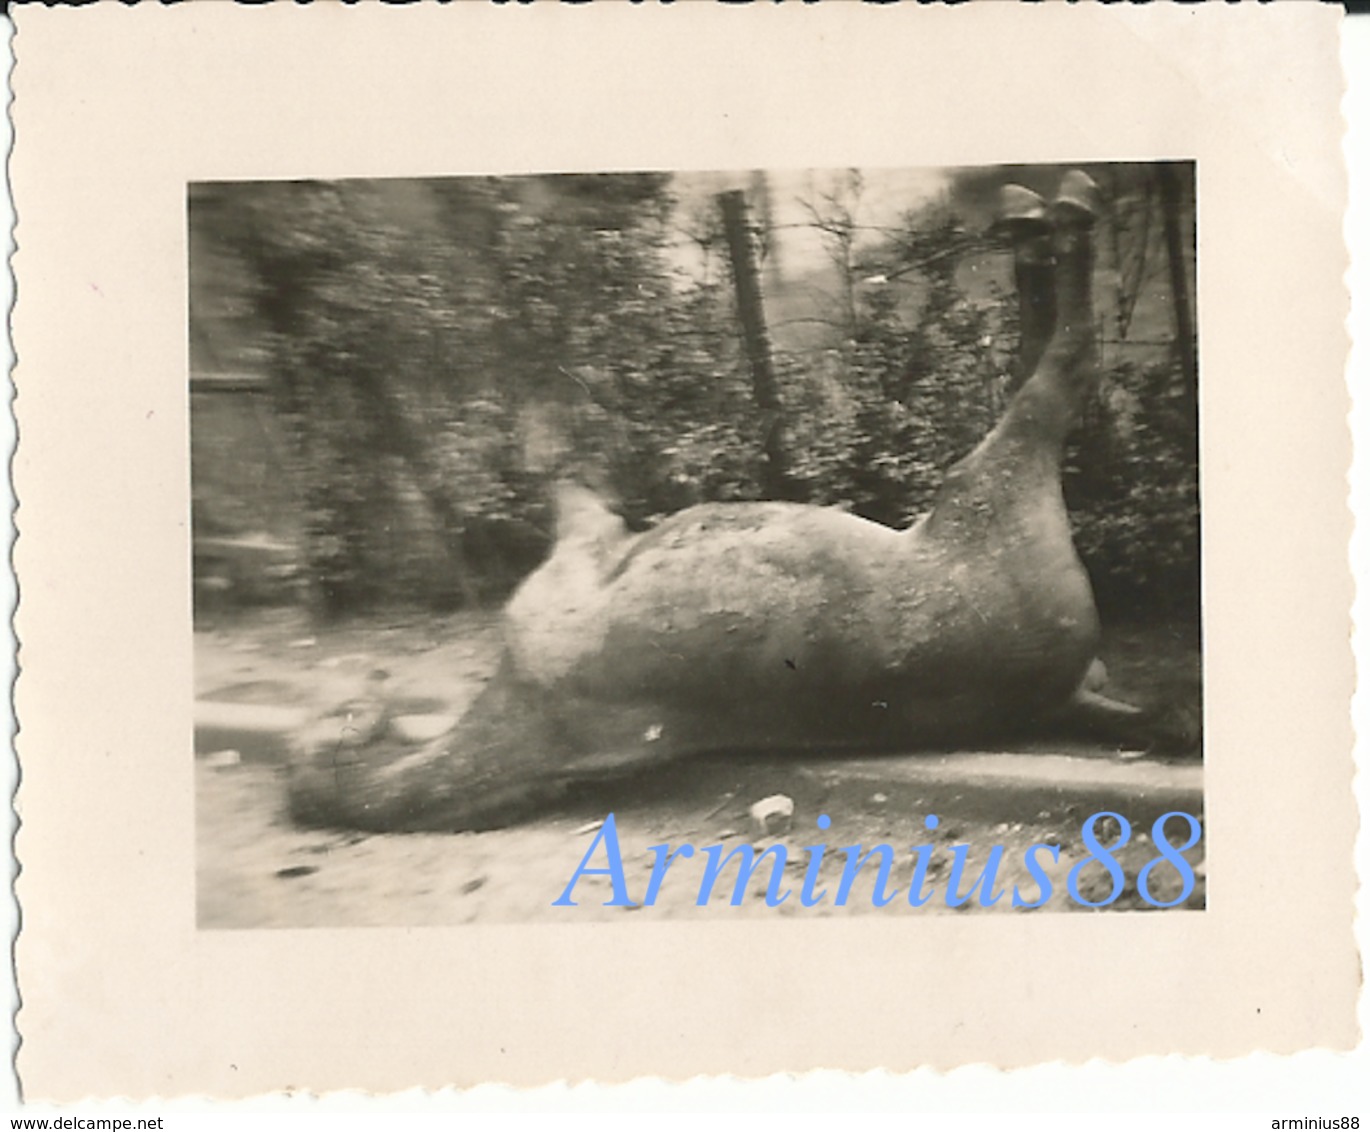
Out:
{"x": 1132, "y": 484}
{"x": 435, "y": 370}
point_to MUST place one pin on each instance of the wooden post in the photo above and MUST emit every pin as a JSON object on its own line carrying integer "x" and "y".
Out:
{"x": 751, "y": 314}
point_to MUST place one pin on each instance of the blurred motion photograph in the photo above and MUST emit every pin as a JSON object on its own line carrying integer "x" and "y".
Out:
{"x": 544, "y": 521}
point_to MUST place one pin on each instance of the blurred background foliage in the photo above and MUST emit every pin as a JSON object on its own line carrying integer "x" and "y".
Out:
{"x": 387, "y": 375}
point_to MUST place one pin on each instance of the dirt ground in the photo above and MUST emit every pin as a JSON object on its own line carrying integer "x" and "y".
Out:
{"x": 255, "y": 868}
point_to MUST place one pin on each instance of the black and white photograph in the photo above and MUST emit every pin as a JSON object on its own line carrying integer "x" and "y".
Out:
{"x": 787, "y": 543}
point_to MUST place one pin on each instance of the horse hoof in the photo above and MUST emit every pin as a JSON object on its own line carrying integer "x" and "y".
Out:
{"x": 1078, "y": 198}
{"x": 1022, "y": 214}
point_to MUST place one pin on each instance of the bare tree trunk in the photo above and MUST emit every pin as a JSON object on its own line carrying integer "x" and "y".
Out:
{"x": 1169, "y": 178}
{"x": 751, "y": 314}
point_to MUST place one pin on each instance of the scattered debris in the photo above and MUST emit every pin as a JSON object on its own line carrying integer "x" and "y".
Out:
{"x": 304, "y": 643}
{"x": 225, "y": 758}
{"x": 728, "y": 797}
{"x": 1106, "y": 828}
{"x": 588, "y": 827}
{"x": 472, "y": 885}
{"x": 773, "y": 815}
{"x": 297, "y": 871}
{"x": 880, "y": 799}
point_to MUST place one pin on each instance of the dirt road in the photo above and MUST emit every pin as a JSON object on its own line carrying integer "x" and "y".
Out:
{"x": 255, "y": 868}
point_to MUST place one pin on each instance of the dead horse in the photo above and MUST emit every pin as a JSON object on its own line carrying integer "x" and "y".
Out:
{"x": 777, "y": 626}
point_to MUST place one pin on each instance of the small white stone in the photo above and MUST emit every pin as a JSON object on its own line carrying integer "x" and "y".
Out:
{"x": 653, "y": 733}
{"x": 224, "y": 758}
{"x": 588, "y": 827}
{"x": 421, "y": 728}
{"x": 773, "y": 814}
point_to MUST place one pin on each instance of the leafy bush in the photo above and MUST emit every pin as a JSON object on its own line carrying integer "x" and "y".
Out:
{"x": 440, "y": 351}
{"x": 1132, "y": 483}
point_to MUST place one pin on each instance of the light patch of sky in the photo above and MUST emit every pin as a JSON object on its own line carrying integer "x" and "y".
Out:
{"x": 885, "y": 195}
